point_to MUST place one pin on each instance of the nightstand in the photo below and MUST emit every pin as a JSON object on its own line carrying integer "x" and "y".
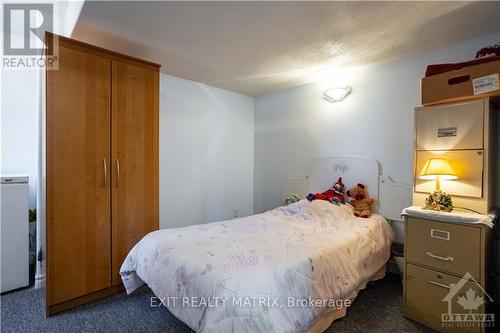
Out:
{"x": 446, "y": 256}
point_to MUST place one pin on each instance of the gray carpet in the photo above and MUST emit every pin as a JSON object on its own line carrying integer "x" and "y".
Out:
{"x": 376, "y": 309}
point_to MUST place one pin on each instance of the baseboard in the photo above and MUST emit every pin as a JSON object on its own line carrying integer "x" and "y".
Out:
{"x": 40, "y": 277}
{"x": 39, "y": 281}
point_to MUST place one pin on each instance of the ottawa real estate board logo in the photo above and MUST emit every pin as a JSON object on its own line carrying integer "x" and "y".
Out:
{"x": 24, "y": 44}
{"x": 466, "y": 304}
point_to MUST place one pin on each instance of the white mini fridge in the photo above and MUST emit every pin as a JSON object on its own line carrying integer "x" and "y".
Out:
{"x": 14, "y": 232}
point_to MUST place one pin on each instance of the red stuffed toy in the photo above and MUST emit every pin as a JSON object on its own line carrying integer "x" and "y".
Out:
{"x": 334, "y": 194}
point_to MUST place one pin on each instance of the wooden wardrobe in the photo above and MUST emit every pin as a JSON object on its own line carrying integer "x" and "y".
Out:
{"x": 101, "y": 168}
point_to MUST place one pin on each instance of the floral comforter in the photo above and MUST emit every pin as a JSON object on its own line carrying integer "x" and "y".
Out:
{"x": 273, "y": 272}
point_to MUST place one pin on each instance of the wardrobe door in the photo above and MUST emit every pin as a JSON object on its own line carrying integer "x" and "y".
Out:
{"x": 135, "y": 114}
{"x": 78, "y": 184}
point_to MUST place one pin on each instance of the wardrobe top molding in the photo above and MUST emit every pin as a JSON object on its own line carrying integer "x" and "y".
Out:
{"x": 112, "y": 55}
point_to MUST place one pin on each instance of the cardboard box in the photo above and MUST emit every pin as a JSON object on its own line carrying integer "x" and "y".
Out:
{"x": 475, "y": 81}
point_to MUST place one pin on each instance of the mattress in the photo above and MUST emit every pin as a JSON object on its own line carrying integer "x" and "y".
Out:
{"x": 285, "y": 270}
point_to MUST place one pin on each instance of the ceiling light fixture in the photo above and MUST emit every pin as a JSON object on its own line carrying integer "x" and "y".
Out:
{"x": 336, "y": 94}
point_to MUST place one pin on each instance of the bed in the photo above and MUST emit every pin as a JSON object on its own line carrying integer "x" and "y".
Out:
{"x": 295, "y": 268}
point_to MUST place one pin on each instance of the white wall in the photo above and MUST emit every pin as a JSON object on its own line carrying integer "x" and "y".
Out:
{"x": 20, "y": 107}
{"x": 295, "y": 125}
{"x": 19, "y": 129}
{"x": 206, "y": 153}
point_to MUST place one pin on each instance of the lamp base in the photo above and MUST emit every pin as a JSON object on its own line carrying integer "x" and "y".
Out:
{"x": 439, "y": 201}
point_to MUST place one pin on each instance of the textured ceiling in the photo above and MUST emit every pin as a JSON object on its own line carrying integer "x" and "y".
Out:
{"x": 260, "y": 47}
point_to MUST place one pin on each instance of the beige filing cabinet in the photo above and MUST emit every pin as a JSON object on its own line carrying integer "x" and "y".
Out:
{"x": 438, "y": 255}
{"x": 465, "y": 134}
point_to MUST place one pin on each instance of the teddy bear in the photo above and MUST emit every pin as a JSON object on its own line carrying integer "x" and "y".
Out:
{"x": 334, "y": 194}
{"x": 360, "y": 201}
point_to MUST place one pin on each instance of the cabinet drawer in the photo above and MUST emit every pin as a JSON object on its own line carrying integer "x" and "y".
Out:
{"x": 450, "y": 247}
{"x": 426, "y": 289}
{"x": 457, "y": 126}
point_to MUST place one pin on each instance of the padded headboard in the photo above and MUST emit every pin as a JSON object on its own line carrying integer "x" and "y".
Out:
{"x": 352, "y": 168}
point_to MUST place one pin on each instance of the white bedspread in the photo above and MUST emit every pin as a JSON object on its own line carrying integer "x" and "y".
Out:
{"x": 250, "y": 274}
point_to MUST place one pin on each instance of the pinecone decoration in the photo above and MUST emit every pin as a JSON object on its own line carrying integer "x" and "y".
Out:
{"x": 440, "y": 201}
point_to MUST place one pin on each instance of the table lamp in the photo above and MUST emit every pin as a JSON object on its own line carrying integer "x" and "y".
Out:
{"x": 438, "y": 169}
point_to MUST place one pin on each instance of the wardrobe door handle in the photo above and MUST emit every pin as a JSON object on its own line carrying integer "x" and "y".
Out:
{"x": 104, "y": 167}
{"x": 117, "y": 172}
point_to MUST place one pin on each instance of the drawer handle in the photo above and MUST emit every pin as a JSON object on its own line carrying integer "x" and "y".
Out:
{"x": 432, "y": 255}
{"x": 438, "y": 284}
{"x": 440, "y": 234}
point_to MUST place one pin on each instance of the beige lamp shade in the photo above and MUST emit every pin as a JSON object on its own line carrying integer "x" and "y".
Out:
{"x": 437, "y": 168}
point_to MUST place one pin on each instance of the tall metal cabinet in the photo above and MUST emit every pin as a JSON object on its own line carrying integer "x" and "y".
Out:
{"x": 446, "y": 253}
{"x": 101, "y": 168}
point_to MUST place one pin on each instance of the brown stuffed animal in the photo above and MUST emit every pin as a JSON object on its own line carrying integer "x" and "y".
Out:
{"x": 360, "y": 201}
